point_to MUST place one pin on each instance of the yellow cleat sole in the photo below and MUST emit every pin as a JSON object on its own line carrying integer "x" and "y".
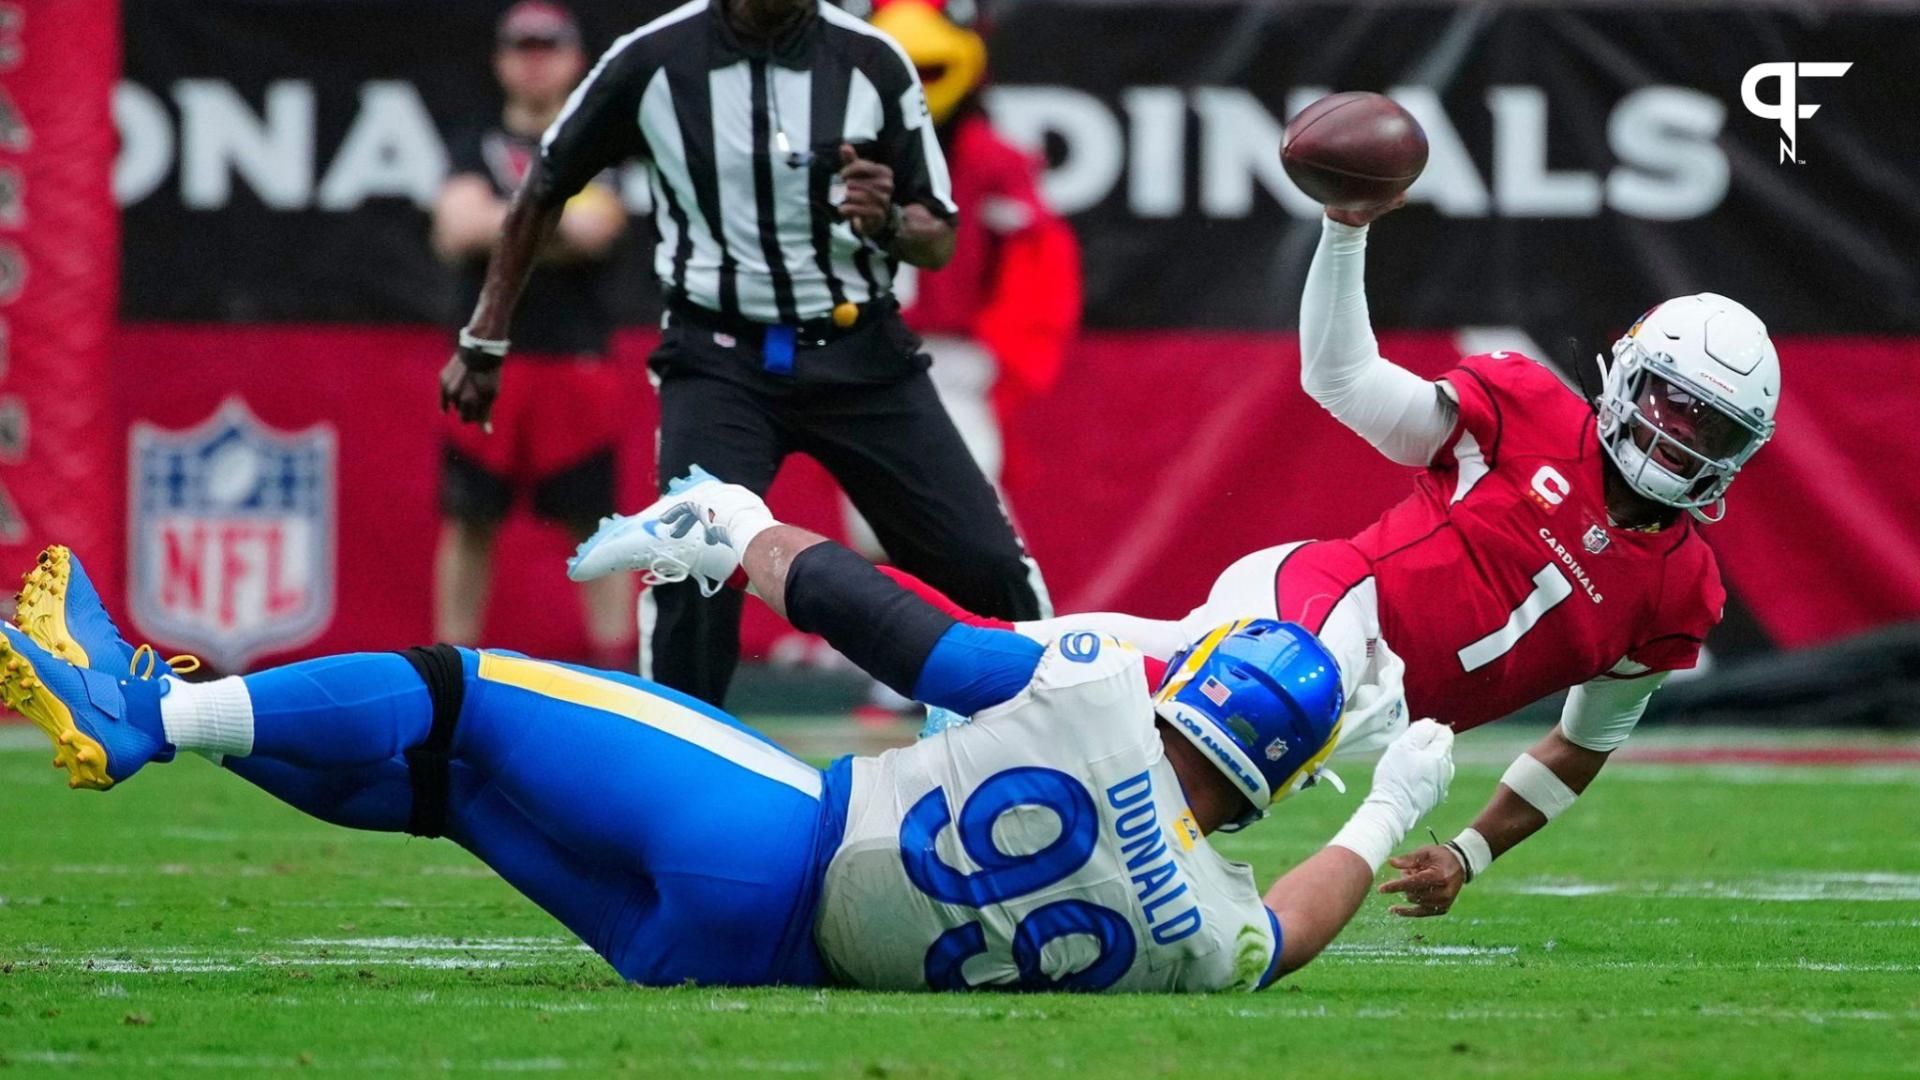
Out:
{"x": 22, "y": 690}
{"x": 41, "y": 605}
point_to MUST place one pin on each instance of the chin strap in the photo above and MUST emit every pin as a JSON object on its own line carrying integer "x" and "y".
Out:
{"x": 1700, "y": 512}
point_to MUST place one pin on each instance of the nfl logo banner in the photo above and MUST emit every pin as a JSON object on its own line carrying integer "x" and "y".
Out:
{"x": 231, "y": 535}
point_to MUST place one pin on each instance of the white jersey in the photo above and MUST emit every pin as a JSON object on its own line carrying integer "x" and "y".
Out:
{"x": 1046, "y": 844}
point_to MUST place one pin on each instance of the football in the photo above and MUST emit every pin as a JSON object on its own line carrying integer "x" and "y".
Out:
{"x": 1354, "y": 150}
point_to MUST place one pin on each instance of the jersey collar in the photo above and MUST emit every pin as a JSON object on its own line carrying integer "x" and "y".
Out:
{"x": 792, "y": 49}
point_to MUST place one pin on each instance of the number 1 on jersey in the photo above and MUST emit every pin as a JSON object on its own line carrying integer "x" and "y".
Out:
{"x": 1550, "y": 587}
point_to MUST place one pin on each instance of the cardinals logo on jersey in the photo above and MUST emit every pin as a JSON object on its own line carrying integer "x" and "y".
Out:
{"x": 509, "y": 159}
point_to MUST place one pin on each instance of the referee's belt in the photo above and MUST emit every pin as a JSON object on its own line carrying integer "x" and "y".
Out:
{"x": 768, "y": 337}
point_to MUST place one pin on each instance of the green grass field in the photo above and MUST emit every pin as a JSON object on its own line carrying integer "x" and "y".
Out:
{"x": 1682, "y": 920}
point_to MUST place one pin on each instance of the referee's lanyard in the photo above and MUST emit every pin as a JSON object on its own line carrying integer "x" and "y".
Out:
{"x": 777, "y": 342}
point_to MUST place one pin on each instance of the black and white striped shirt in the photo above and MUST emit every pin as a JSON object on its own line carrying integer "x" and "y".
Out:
{"x": 741, "y": 146}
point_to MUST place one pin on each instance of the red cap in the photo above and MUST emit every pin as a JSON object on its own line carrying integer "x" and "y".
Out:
{"x": 538, "y": 20}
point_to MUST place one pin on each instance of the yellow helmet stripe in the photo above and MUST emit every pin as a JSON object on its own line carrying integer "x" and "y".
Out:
{"x": 1196, "y": 657}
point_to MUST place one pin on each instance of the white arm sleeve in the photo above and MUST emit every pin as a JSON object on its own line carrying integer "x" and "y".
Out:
{"x": 1601, "y": 713}
{"x": 1404, "y": 416}
{"x": 1158, "y": 638}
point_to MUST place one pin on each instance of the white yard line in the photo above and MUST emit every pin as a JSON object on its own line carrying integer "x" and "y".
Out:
{"x": 408, "y": 952}
{"x": 1787, "y": 888}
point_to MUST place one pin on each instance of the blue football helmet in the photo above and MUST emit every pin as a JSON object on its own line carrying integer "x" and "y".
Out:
{"x": 1262, "y": 699}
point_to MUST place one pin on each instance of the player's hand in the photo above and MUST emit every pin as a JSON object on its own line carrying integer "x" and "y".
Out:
{"x": 1430, "y": 878}
{"x": 1413, "y": 774}
{"x": 868, "y": 201}
{"x": 1367, "y": 216}
{"x": 468, "y": 392}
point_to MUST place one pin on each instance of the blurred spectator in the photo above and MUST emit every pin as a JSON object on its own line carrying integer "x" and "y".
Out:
{"x": 556, "y": 425}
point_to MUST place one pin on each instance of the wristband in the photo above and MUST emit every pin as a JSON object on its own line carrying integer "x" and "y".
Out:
{"x": 1473, "y": 852}
{"x": 495, "y": 350}
{"x": 889, "y": 232}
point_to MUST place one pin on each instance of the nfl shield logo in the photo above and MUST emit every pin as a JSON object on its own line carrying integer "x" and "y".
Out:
{"x": 1276, "y": 749}
{"x": 1596, "y": 540}
{"x": 232, "y": 535}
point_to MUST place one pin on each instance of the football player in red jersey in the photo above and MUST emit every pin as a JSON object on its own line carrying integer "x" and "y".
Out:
{"x": 1548, "y": 545}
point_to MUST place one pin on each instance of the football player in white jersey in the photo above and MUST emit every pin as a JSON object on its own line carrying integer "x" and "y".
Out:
{"x": 1057, "y": 842}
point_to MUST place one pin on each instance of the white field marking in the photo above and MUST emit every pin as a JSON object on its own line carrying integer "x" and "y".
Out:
{"x": 1400, "y": 952}
{"x": 242, "y": 1063}
{"x": 1801, "y": 964}
{"x": 445, "y": 944}
{"x": 121, "y": 966}
{"x": 1554, "y": 889}
{"x": 263, "y": 1063}
{"x": 223, "y": 870}
{"x": 1810, "y": 887}
{"x": 384, "y": 904}
{"x": 424, "y": 953}
{"x": 1758, "y": 1014}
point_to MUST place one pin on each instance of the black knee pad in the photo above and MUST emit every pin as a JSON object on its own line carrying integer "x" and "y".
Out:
{"x": 428, "y": 764}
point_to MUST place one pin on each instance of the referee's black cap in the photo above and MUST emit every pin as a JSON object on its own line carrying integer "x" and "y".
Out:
{"x": 537, "y": 22}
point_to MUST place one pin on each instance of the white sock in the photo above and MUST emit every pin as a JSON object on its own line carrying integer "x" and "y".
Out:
{"x": 741, "y": 513}
{"x": 210, "y": 717}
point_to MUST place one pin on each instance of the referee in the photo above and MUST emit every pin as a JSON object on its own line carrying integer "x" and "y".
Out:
{"x": 793, "y": 166}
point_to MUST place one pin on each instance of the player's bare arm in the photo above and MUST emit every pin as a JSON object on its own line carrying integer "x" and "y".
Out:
{"x": 1536, "y": 789}
{"x": 1314, "y": 900}
{"x": 471, "y": 379}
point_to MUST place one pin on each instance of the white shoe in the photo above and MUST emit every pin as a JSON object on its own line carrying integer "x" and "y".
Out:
{"x": 670, "y": 541}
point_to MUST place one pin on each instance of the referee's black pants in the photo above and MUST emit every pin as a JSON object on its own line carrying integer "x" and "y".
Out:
{"x": 885, "y": 437}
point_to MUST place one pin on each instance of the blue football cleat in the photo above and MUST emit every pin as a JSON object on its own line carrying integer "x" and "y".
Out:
{"x": 61, "y": 611}
{"x": 81, "y": 709}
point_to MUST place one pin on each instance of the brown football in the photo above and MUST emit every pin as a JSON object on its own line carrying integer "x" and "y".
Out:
{"x": 1354, "y": 150}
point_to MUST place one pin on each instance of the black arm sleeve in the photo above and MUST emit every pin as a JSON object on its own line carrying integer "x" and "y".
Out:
{"x": 886, "y": 630}
{"x": 600, "y": 126}
{"x": 907, "y": 143}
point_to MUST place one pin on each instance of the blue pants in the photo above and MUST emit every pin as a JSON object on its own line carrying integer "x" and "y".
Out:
{"x": 675, "y": 841}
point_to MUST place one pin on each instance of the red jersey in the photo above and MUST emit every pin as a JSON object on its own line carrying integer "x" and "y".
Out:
{"x": 1014, "y": 282}
{"x": 996, "y": 187}
{"x": 1500, "y": 580}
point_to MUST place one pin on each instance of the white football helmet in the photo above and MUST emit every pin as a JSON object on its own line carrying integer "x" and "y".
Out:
{"x": 1690, "y": 396}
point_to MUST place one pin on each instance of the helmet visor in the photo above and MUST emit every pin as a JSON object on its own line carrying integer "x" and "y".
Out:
{"x": 1689, "y": 420}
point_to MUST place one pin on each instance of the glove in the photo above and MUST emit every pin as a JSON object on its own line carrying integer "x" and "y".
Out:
{"x": 1410, "y": 780}
{"x": 1413, "y": 774}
